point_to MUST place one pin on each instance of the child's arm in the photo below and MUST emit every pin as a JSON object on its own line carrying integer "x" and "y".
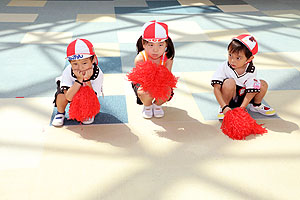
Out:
{"x": 69, "y": 94}
{"x": 169, "y": 64}
{"x": 252, "y": 85}
{"x": 218, "y": 95}
{"x": 81, "y": 76}
{"x": 138, "y": 58}
{"x": 88, "y": 74}
{"x": 247, "y": 99}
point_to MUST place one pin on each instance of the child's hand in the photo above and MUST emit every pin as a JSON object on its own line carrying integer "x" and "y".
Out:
{"x": 79, "y": 75}
{"x": 226, "y": 110}
{"x": 87, "y": 74}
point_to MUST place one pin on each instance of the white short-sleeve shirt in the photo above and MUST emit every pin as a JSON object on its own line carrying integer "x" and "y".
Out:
{"x": 246, "y": 80}
{"x": 68, "y": 79}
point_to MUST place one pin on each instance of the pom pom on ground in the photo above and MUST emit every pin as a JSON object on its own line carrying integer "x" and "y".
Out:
{"x": 238, "y": 124}
{"x": 84, "y": 105}
{"x": 153, "y": 78}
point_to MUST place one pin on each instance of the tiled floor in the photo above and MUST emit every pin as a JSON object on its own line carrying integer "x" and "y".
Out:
{"x": 123, "y": 156}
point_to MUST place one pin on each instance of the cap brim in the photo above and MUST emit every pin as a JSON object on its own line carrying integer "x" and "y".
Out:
{"x": 155, "y": 40}
{"x": 78, "y": 56}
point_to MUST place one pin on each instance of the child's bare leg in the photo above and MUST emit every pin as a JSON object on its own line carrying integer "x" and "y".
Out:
{"x": 159, "y": 102}
{"x": 61, "y": 103}
{"x": 263, "y": 90}
{"x": 145, "y": 97}
{"x": 228, "y": 90}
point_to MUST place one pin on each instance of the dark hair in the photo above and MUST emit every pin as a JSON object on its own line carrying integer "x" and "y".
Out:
{"x": 236, "y": 46}
{"x": 170, "y": 52}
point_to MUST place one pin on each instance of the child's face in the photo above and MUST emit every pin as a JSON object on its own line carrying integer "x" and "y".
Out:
{"x": 82, "y": 65}
{"x": 238, "y": 59}
{"x": 155, "y": 50}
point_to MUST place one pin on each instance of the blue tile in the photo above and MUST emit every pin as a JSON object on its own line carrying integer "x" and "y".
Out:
{"x": 96, "y": 32}
{"x": 246, "y": 20}
{"x": 228, "y": 2}
{"x": 110, "y": 65}
{"x": 270, "y": 5}
{"x": 199, "y": 56}
{"x": 132, "y": 10}
{"x": 128, "y": 54}
{"x": 201, "y": 9}
{"x": 162, "y": 4}
{"x": 113, "y": 111}
{"x": 172, "y": 10}
{"x": 32, "y": 69}
{"x": 277, "y": 39}
{"x": 209, "y": 107}
{"x": 281, "y": 79}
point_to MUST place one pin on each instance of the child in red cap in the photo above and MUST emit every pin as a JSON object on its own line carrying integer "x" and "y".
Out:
{"x": 82, "y": 71}
{"x": 235, "y": 83}
{"x": 154, "y": 45}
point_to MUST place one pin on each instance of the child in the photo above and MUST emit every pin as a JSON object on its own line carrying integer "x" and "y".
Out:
{"x": 154, "y": 45}
{"x": 82, "y": 71}
{"x": 235, "y": 83}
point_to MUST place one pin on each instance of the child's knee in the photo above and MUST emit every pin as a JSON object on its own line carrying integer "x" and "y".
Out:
{"x": 142, "y": 94}
{"x": 61, "y": 99}
{"x": 229, "y": 84}
{"x": 263, "y": 84}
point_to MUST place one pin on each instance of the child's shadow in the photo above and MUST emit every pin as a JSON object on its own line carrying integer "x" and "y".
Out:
{"x": 116, "y": 134}
{"x": 180, "y": 127}
{"x": 281, "y": 125}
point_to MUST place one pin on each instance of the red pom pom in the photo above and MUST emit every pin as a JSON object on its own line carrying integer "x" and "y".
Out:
{"x": 153, "y": 78}
{"x": 238, "y": 124}
{"x": 84, "y": 105}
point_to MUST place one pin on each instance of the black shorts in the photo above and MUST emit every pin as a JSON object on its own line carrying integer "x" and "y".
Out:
{"x": 239, "y": 98}
{"x": 135, "y": 88}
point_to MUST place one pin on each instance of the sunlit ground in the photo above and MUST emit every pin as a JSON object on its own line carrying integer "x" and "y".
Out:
{"x": 181, "y": 156}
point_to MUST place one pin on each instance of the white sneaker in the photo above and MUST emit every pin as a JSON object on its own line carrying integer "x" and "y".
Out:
{"x": 220, "y": 114}
{"x": 88, "y": 121}
{"x": 263, "y": 109}
{"x": 58, "y": 120}
{"x": 147, "y": 112}
{"x": 158, "y": 111}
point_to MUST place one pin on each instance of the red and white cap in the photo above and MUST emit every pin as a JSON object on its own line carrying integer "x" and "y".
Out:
{"x": 249, "y": 41}
{"x": 80, "y": 49}
{"x": 154, "y": 31}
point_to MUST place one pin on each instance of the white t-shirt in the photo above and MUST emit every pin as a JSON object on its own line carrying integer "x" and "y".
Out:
{"x": 246, "y": 80}
{"x": 68, "y": 79}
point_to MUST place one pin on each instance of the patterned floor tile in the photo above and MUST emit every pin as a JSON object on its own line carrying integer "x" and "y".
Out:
{"x": 130, "y": 3}
{"x": 47, "y": 38}
{"x": 209, "y": 107}
{"x": 271, "y": 61}
{"x": 224, "y": 34}
{"x": 17, "y": 17}
{"x": 186, "y": 31}
{"x": 281, "y": 79}
{"x": 237, "y": 8}
{"x": 196, "y": 3}
{"x": 128, "y": 36}
{"x": 113, "y": 111}
{"x": 96, "y": 18}
{"x": 107, "y": 49}
{"x": 27, "y": 3}
{"x": 289, "y": 18}
{"x": 110, "y": 65}
{"x": 229, "y": 2}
